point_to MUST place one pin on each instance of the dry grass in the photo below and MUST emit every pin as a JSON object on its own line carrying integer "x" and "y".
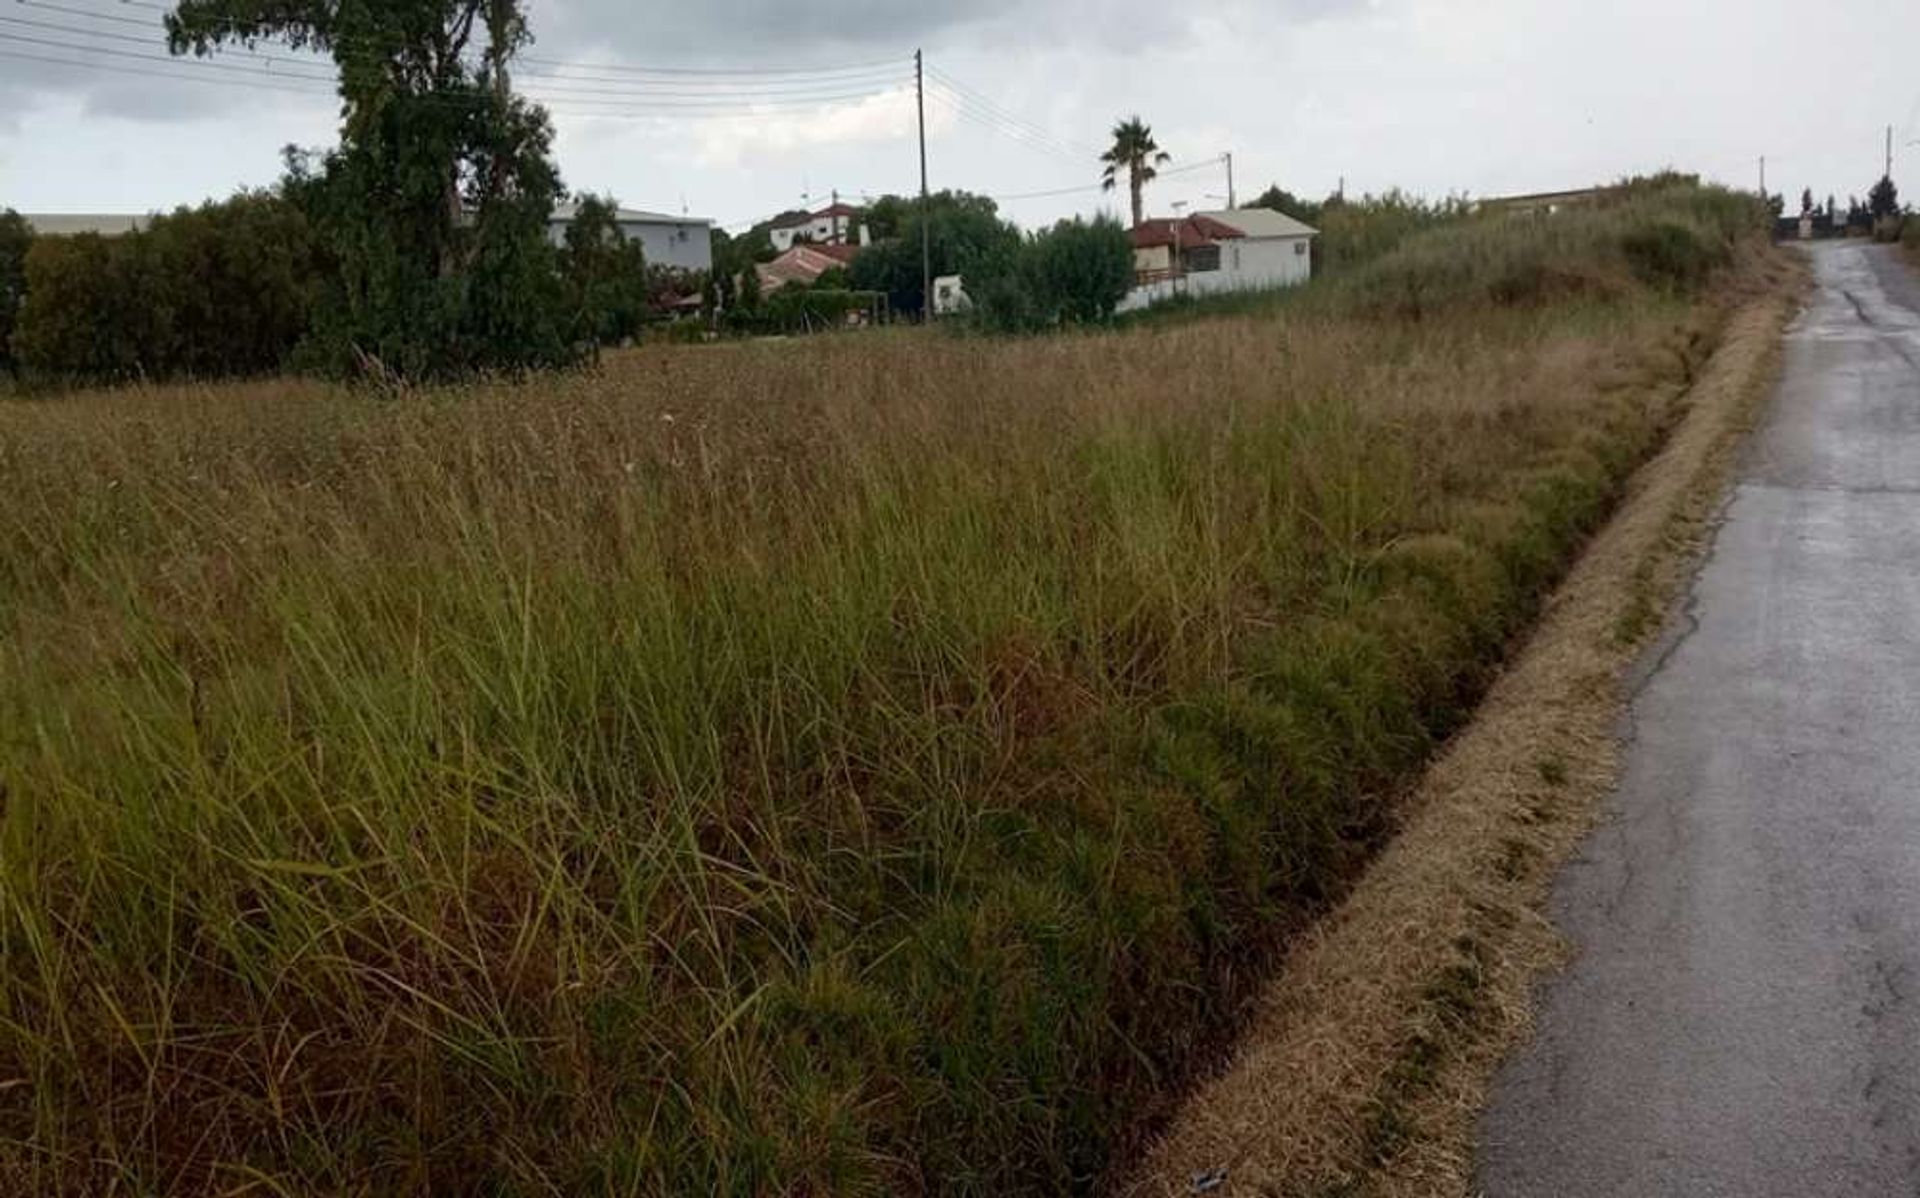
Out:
{"x": 1369, "y": 1059}
{"x": 878, "y": 765}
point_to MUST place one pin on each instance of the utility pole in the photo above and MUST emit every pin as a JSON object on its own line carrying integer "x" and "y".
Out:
{"x": 1889, "y": 173}
{"x": 1232, "y": 202}
{"x": 926, "y": 203}
{"x": 1763, "y": 176}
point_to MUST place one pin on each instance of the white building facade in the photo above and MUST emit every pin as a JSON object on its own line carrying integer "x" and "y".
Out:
{"x": 1243, "y": 249}
{"x": 680, "y": 242}
{"x": 838, "y": 224}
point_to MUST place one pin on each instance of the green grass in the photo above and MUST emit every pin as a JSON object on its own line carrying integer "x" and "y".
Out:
{"x": 879, "y": 765}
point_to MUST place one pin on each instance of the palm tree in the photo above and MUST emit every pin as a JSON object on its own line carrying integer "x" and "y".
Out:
{"x": 1135, "y": 151}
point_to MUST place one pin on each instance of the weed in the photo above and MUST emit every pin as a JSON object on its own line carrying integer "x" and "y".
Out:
{"x": 865, "y": 766}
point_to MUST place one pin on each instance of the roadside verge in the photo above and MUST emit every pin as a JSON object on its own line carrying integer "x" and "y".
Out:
{"x": 1370, "y": 1054}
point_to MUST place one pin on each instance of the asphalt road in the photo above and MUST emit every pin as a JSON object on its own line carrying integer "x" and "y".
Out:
{"x": 1743, "y": 1017}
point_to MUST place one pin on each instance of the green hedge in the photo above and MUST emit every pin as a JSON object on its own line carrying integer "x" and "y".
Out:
{"x": 224, "y": 289}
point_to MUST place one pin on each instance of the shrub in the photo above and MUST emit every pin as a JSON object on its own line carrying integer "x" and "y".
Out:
{"x": 1671, "y": 253}
{"x": 1074, "y": 273}
{"x": 224, "y": 289}
{"x": 15, "y": 237}
{"x": 604, "y": 277}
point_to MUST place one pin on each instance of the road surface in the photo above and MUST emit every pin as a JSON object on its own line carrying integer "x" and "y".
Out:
{"x": 1743, "y": 1018}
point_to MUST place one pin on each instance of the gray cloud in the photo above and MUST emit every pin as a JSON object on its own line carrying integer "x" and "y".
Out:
{"x": 778, "y": 32}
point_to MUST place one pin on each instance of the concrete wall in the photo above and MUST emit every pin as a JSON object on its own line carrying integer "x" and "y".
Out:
{"x": 683, "y": 245}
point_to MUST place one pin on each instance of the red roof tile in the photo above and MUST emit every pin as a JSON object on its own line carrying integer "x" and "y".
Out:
{"x": 1194, "y": 230}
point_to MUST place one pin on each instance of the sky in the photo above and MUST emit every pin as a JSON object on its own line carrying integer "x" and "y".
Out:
{"x": 702, "y": 106}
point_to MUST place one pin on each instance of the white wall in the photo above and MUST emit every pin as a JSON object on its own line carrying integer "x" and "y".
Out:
{"x": 823, "y": 230}
{"x": 683, "y": 245}
{"x": 1246, "y": 264}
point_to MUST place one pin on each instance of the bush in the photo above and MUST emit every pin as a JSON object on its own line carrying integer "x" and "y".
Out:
{"x": 15, "y": 237}
{"x": 1645, "y": 232}
{"x": 1672, "y": 254}
{"x": 604, "y": 277}
{"x": 225, "y": 289}
{"x": 1075, "y": 273}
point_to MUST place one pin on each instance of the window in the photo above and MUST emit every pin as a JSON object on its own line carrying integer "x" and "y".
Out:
{"x": 1299, "y": 248}
{"x": 1202, "y": 259}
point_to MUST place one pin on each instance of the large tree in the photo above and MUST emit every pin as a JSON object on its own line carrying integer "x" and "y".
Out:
{"x": 1135, "y": 152}
{"x": 436, "y": 202}
{"x": 965, "y": 233}
{"x": 1884, "y": 199}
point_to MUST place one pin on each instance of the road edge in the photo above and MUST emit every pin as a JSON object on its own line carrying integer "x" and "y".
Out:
{"x": 1369, "y": 1060}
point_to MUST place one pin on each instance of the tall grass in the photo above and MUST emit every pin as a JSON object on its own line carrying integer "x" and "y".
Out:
{"x": 879, "y": 765}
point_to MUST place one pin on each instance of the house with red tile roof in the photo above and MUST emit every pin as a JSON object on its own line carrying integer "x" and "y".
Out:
{"x": 1241, "y": 249}
{"x": 836, "y": 224}
{"x": 803, "y": 263}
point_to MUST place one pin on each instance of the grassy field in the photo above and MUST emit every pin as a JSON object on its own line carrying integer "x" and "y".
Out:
{"x": 878, "y": 764}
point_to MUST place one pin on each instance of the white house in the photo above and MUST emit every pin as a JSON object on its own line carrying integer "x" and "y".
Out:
{"x": 1243, "y": 249}
{"x": 680, "y": 242}
{"x": 836, "y": 224}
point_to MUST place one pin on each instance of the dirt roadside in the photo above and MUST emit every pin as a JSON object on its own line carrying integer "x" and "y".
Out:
{"x": 1371, "y": 1053}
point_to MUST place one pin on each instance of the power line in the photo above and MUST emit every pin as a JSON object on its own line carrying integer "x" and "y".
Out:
{"x": 734, "y": 77}
{"x": 570, "y": 101}
{"x": 21, "y": 56}
{"x": 563, "y": 83}
{"x": 959, "y": 108}
{"x": 990, "y": 106}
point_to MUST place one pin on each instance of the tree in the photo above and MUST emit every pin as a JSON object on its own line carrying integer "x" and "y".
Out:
{"x": 964, "y": 233}
{"x": 435, "y": 203}
{"x": 750, "y": 289}
{"x": 1278, "y": 199}
{"x": 1884, "y": 199}
{"x": 1074, "y": 273}
{"x": 16, "y": 236}
{"x": 605, "y": 276}
{"x": 1806, "y": 202}
{"x": 1135, "y": 152}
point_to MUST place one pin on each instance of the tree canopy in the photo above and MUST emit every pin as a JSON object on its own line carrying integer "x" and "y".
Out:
{"x": 435, "y": 203}
{"x": 965, "y": 232}
{"x": 1136, "y": 152}
{"x": 15, "y": 238}
{"x": 1884, "y": 199}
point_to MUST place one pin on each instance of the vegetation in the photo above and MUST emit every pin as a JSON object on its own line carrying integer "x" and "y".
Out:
{"x": 604, "y": 275}
{"x": 222, "y": 289}
{"x": 15, "y": 238}
{"x": 855, "y": 768}
{"x": 1884, "y": 199}
{"x": 434, "y": 207}
{"x": 966, "y": 235}
{"x": 1136, "y": 152}
{"x": 1075, "y": 273}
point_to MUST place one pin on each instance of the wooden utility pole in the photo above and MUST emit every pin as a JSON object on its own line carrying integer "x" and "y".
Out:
{"x": 926, "y": 203}
{"x": 1763, "y": 176}
{"x": 1232, "y": 201}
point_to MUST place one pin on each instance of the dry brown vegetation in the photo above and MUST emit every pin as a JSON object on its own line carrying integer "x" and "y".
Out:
{"x": 1367, "y": 1063}
{"x": 881, "y": 764}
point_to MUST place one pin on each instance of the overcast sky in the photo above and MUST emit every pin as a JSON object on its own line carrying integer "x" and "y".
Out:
{"x": 1481, "y": 97}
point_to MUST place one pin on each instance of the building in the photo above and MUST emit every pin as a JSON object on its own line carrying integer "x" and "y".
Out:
{"x": 950, "y": 296}
{"x": 1545, "y": 202}
{"x": 66, "y": 224}
{"x": 836, "y": 224}
{"x": 679, "y": 242}
{"x": 803, "y": 264}
{"x": 1243, "y": 249}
